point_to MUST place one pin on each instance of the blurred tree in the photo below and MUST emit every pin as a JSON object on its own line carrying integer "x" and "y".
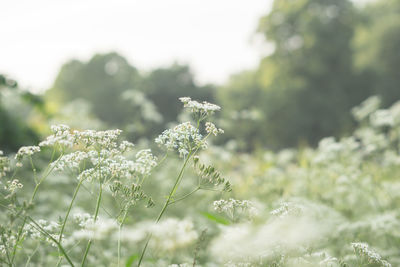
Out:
{"x": 119, "y": 96}
{"x": 377, "y": 46}
{"x": 308, "y": 84}
{"x": 163, "y": 86}
{"x": 100, "y": 82}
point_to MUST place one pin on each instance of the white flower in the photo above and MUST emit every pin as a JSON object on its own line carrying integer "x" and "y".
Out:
{"x": 61, "y": 136}
{"x": 234, "y": 207}
{"x": 98, "y": 139}
{"x": 125, "y": 146}
{"x": 145, "y": 162}
{"x": 382, "y": 117}
{"x": 182, "y": 138}
{"x": 203, "y": 109}
{"x": 13, "y": 186}
{"x": 370, "y": 105}
{"x": 4, "y": 165}
{"x": 212, "y": 129}
{"x": 26, "y": 151}
{"x": 363, "y": 250}
{"x": 71, "y": 160}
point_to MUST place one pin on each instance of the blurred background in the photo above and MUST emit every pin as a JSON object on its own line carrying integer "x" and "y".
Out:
{"x": 286, "y": 73}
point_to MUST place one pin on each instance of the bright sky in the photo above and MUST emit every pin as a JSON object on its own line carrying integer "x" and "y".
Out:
{"x": 216, "y": 37}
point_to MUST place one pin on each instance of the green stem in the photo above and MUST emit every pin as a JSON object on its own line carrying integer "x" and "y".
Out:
{"x": 89, "y": 244}
{"x": 69, "y": 209}
{"x": 5, "y": 248}
{"x": 30, "y": 256}
{"x": 119, "y": 236}
{"x": 185, "y": 196}
{"x": 47, "y": 173}
{"x": 171, "y": 194}
{"x": 60, "y": 247}
{"x": 43, "y": 231}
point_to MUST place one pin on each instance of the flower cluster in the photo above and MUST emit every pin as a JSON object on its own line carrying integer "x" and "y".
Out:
{"x": 13, "y": 186}
{"x": 99, "y": 139}
{"x": 184, "y": 138}
{"x": 286, "y": 208}
{"x": 363, "y": 250}
{"x": 26, "y": 151}
{"x": 234, "y": 206}
{"x": 71, "y": 161}
{"x": 4, "y": 165}
{"x": 7, "y": 239}
{"x": 145, "y": 162}
{"x": 61, "y": 137}
{"x": 202, "y": 109}
{"x": 370, "y": 105}
{"x": 212, "y": 129}
{"x": 46, "y": 228}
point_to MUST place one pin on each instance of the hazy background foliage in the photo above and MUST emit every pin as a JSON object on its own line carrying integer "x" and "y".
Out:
{"x": 328, "y": 56}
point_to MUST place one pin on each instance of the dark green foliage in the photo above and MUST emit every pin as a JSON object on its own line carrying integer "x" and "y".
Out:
{"x": 14, "y": 131}
{"x": 307, "y": 86}
{"x": 104, "y": 81}
{"x": 101, "y": 81}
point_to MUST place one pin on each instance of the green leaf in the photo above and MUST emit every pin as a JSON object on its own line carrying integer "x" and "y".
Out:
{"x": 216, "y": 218}
{"x": 131, "y": 260}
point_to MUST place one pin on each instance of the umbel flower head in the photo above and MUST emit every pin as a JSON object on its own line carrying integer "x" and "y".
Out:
{"x": 201, "y": 109}
{"x": 186, "y": 138}
{"x": 183, "y": 138}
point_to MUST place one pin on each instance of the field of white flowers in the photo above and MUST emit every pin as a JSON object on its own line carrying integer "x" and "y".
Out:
{"x": 88, "y": 198}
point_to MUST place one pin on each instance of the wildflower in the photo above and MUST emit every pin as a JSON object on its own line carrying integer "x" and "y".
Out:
{"x": 51, "y": 228}
{"x": 212, "y": 129}
{"x": 4, "y": 165}
{"x": 363, "y": 250}
{"x": 125, "y": 146}
{"x": 13, "y": 186}
{"x": 71, "y": 160}
{"x": 234, "y": 206}
{"x": 26, "y": 151}
{"x": 367, "y": 107}
{"x": 382, "y": 117}
{"x": 145, "y": 161}
{"x": 61, "y": 136}
{"x": 182, "y": 138}
{"x": 99, "y": 139}
{"x": 203, "y": 109}
{"x": 286, "y": 208}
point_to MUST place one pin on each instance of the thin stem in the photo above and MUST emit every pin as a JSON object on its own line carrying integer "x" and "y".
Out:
{"x": 158, "y": 164}
{"x": 5, "y": 248}
{"x": 30, "y": 256}
{"x": 47, "y": 172}
{"x": 69, "y": 209}
{"x": 60, "y": 247}
{"x": 185, "y": 196}
{"x": 44, "y": 177}
{"x": 119, "y": 235}
{"x": 43, "y": 231}
{"x": 171, "y": 194}
{"x": 89, "y": 244}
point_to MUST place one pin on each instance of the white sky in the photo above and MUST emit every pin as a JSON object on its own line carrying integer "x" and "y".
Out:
{"x": 216, "y": 37}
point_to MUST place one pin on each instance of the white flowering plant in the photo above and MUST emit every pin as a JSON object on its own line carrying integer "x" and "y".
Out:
{"x": 108, "y": 170}
{"x": 88, "y": 198}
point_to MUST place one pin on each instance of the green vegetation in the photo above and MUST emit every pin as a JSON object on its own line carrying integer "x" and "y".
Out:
{"x": 304, "y": 171}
